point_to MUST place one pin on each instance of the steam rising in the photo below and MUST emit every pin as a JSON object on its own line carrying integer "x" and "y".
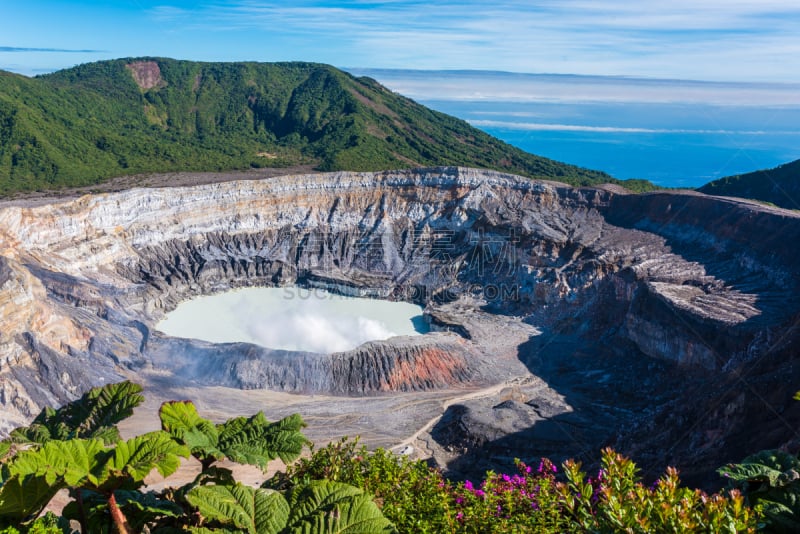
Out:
{"x": 291, "y": 319}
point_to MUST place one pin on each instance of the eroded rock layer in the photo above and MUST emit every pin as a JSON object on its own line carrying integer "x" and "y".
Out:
{"x": 694, "y": 281}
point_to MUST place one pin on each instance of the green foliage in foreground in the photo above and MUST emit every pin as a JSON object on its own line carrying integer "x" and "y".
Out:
{"x": 542, "y": 499}
{"x": 94, "y": 415}
{"x": 342, "y": 487}
{"x": 771, "y": 480}
{"x": 83, "y": 125}
{"x": 105, "y": 475}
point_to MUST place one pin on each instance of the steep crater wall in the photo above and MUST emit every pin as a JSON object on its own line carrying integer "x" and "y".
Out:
{"x": 694, "y": 280}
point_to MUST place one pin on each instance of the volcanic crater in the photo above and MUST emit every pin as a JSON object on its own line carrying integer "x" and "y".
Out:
{"x": 562, "y": 319}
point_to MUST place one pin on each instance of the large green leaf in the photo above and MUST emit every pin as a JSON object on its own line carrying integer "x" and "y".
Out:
{"x": 72, "y": 461}
{"x": 333, "y": 507}
{"x": 248, "y": 440}
{"x": 256, "y": 441}
{"x": 256, "y": 511}
{"x": 773, "y": 467}
{"x": 771, "y": 479}
{"x": 135, "y": 458}
{"x": 24, "y": 496}
{"x": 181, "y": 420}
{"x": 320, "y": 507}
{"x": 35, "y": 475}
{"x": 94, "y": 415}
{"x": 5, "y": 451}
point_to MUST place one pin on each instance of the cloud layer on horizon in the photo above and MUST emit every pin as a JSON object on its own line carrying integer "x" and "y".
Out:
{"x": 487, "y": 86}
{"x": 60, "y": 50}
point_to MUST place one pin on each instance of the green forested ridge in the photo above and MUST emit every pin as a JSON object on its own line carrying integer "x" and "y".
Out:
{"x": 85, "y": 124}
{"x": 779, "y": 186}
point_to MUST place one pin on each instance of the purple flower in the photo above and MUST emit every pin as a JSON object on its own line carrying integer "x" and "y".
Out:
{"x": 460, "y": 516}
{"x": 468, "y": 485}
{"x": 506, "y": 478}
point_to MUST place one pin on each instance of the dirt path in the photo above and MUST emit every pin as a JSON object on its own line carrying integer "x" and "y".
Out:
{"x": 491, "y": 391}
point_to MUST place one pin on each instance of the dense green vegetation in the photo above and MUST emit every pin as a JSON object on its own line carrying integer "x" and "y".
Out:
{"x": 779, "y": 186}
{"x": 342, "y": 487}
{"x": 85, "y": 124}
{"x": 104, "y": 474}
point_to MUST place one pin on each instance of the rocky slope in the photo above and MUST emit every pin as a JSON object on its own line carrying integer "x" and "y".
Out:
{"x": 673, "y": 302}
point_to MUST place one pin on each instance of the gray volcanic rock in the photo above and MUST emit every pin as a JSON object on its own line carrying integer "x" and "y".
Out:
{"x": 704, "y": 287}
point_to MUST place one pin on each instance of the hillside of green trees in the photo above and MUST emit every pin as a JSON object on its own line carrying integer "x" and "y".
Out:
{"x": 779, "y": 186}
{"x": 86, "y": 124}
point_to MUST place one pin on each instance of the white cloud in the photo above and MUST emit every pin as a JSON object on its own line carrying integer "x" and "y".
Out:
{"x": 538, "y": 126}
{"x": 290, "y": 319}
{"x": 733, "y": 40}
{"x": 314, "y": 332}
{"x": 707, "y": 39}
{"x": 511, "y": 87}
{"x": 170, "y": 13}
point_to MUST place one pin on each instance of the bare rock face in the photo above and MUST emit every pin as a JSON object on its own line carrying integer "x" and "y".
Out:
{"x": 705, "y": 287}
{"x": 147, "y": 74}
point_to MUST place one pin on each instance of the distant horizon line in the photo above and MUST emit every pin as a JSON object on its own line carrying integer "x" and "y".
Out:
{"x": 620, "y": 77}
{"x": 411, "y": 71}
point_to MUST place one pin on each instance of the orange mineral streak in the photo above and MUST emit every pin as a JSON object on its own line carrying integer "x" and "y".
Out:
{"x": 428, "y": 366}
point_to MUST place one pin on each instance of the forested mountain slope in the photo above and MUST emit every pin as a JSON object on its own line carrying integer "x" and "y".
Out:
{"x": 779, "y": 186}
{"x": 85, "y": 124}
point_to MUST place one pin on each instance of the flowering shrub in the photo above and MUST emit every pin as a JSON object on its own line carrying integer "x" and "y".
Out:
{"x": 617, "y": 501}
{"x": 538, "y": 498}
{"x": 525, "y": 502}
{"x": 413, "y": 496}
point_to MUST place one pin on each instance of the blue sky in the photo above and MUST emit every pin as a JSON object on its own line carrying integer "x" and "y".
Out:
{"x": 607, "y": 84}
{"x": 730, "y": 40}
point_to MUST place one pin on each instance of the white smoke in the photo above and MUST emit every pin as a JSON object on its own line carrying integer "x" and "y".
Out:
{"x": 290, "y": 319}
{"x": 315, "y": 332}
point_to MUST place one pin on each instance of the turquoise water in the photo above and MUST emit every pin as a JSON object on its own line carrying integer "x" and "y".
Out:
{"x": 292, "y": 318}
